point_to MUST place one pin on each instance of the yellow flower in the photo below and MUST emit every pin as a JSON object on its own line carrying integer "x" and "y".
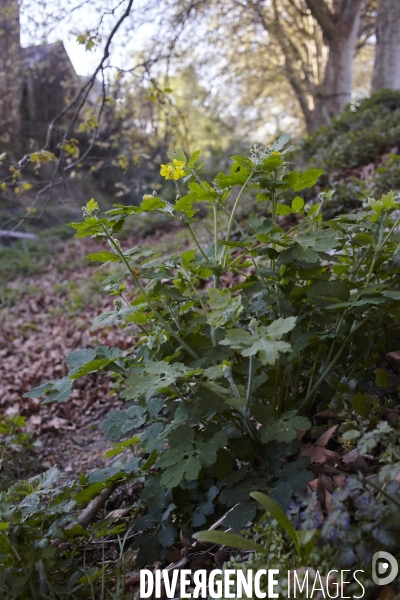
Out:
{"x": 167, "y": 171}
{"x": 179, "y": 170}
{"x": 178, "y": 173}
{"x": 276, "y": 152}
{"x": 174, "y": 170}
{"x": 147, "y": 196}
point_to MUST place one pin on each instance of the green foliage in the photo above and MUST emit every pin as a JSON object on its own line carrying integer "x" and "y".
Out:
{"x": 360, "y": 135}
{"x": 40, "y": 539}
{"x": 32, "y": 514}
{"x": 365, "y": 135}
{"x": 16, "y": 445}
{"x": 362, "y": 516}
{"x": 223, "y": 371}
{"x": 303, "y": 540}
{"x": 24, "y": 258}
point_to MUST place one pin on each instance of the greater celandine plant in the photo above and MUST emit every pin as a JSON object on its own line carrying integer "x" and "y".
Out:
{"x": 222, "y": 377}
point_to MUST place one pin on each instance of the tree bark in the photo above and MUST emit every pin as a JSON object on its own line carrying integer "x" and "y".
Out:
{"x": 10, "y": 75}
{"x": 340, "y": 30}
{"x": 386, "y": 72}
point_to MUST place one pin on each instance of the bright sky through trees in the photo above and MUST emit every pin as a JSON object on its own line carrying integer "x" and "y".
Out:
{"x": 64, "y": 20}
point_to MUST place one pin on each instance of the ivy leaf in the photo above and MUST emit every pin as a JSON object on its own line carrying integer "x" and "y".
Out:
{"x": 149, "y": 545}
{"x": 263, "y": 413}
{"x": 284, "y": 430}
{"x": 282, "y": 493}
{"x": 224, "y": 307}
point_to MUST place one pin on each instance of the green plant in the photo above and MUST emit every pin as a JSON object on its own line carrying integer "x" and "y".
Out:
{"x": 43, "y": 547}
{"x": 16, "y": 444}
{"x": 302, "y": 540}
{"x": 359, "y": 152}
{"x": 32, "y": 514}
{"x": 238, "y": 337}
{"x": 360, "y": 135}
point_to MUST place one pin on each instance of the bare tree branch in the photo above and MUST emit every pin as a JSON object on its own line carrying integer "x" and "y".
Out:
{"x": 79, "y": 101}
{"x": 321, "y": 12}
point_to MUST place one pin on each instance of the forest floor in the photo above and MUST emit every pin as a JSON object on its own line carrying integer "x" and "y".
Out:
{"x": 46, "y": 316}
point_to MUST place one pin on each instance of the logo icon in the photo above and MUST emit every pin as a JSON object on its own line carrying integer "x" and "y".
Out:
{"x": 384, "y": 568}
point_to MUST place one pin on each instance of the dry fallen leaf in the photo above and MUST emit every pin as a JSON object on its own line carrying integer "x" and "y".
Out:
{"x": 317, "y": 453}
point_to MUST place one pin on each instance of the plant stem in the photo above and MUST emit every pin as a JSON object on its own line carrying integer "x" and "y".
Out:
{"x": 175, "y": 320}
{"x": 313, "y": 370}
{"x": 229, "y": 377}
{"x": 311, "y": 394}
{"x": 371, "y": 268}
{"x": 273, "y": 198}
{"x": 249, "y": 384}
{"x": 389, "y": 234}
{"x": 232, "y": 217}
{"x": 196, "y": 241}
{"x": 215, "y": 232}
{"x": 149, "y": 303}
{"x": 234, "y": 222}
{"x": 379, "y": 249}
{"x": 276, "y": 382}
{"x": 137, "y": 324}
{"x": 193, "y": 288}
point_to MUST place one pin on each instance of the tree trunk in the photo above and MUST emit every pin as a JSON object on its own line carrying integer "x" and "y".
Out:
{"x": 336, "y": 88}
{"x": 386, "y": 72}
{"x": 340, "y": 35}
{"x": 10, "y": 75}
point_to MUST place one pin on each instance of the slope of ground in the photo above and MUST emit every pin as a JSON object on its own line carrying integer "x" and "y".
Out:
{"x": 45, "y": 315}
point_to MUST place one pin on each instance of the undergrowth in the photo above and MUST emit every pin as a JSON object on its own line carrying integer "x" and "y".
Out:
{"x": 240, "y": 345}
{"x": 359, "y": 151}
